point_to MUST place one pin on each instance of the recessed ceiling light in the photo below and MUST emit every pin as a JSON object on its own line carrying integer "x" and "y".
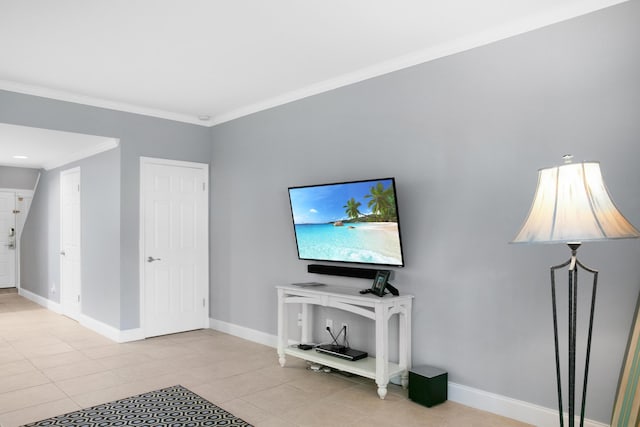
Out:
{"x": 20, "y": 157}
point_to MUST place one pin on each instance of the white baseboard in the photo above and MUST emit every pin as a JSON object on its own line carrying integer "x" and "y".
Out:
{"x": 490, "y": 402}
{"x": 46, "y": 303}
{"x": 110, "y": 332}
{"x": 243, "y": 332}
{"x": 128, "y": 335}
{"x": 88, "y": 322}
{"x": 508, "y": 407}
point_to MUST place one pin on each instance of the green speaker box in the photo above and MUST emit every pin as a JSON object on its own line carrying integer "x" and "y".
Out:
{"x": 428, "y": 385}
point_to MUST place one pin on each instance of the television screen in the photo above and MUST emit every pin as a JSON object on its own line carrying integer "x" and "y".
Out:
{"x": 348, "y": 222}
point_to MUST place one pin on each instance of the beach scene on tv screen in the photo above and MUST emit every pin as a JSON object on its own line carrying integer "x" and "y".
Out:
{"x": 350, "y": 222}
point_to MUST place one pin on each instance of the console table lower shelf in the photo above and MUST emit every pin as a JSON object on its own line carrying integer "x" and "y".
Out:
{"x": 364, "y": 367}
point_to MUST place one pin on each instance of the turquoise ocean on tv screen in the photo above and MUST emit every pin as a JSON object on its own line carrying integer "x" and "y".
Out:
{"x": 358, "y": 242}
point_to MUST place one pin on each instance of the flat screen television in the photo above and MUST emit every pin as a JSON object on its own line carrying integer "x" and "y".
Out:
{"x": 354, "y": 222}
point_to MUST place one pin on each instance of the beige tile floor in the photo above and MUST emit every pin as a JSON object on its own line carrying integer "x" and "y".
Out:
{"x": 50, "y": 365}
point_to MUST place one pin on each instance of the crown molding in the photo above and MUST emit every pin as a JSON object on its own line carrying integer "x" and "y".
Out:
{"x": 98, "y": 102}
{"x": 109, "y": 144}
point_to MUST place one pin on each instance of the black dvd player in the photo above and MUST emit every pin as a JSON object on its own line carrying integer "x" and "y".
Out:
{"x": 341, "y": 351}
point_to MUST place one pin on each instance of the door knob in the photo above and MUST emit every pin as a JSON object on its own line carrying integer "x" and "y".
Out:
{"x": 63, "y": 253}
{"x": 151, "y": 259}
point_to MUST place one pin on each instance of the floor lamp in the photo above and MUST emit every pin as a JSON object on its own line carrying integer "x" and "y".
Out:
{"x": 572, "y": 205}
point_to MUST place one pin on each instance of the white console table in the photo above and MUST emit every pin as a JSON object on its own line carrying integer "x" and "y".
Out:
{"x": 379, "y": 309}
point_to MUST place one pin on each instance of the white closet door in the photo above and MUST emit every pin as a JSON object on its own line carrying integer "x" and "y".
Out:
{"x": 70, "y": 243}
{"x": 174, "y": 246}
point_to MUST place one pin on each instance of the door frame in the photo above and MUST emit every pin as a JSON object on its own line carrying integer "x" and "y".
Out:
{"x": 144, "y": 163}
{"x": 62, "y": 287}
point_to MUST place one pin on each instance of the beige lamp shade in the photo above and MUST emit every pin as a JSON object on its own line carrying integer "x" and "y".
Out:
{"x": 572, "y": 204}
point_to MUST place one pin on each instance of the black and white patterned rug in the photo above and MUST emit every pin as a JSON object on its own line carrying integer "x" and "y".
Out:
{"x": 170, "y": 407}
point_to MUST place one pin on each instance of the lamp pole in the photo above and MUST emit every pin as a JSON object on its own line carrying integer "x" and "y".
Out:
{"x": 573, "y": 264}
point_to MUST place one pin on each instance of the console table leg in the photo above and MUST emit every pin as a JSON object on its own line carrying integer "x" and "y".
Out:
{"x": 404, "y": 323}
{"x": 382, "y": 350}
{"x": 404, "y": 379}
{"x": 307, "y": 326}
{"x": 283, "y": 336}
{"x": 382, "y": 391}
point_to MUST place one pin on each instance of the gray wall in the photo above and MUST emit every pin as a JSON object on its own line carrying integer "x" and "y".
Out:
{"x": 18, "y": 178}
{"x": 38, "y": 248}
{"x": 464, "y": 137}
{"x": 100, "y": 234}
{"x": 139, "y": 136}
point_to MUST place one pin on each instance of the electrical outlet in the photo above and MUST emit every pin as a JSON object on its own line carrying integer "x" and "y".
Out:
{"x": 299, "y": 319}
{"x": 330, "y": 323}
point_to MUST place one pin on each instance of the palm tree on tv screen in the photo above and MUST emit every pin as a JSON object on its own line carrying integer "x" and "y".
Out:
{"x": 382, "y": 202}
{"x": 352, "y": 208}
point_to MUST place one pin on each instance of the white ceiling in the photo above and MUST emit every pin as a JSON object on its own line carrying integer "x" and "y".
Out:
{"x": 46, "y": 148}
{"x": 222, "y": 59}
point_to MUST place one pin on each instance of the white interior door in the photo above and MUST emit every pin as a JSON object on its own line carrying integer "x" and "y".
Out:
{"x": 174, "y": 246}
{"x": 7, "y": 240}
{"x": 70, "y": 248}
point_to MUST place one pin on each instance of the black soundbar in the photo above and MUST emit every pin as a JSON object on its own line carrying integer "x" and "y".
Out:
{"x": 362, "y": 273}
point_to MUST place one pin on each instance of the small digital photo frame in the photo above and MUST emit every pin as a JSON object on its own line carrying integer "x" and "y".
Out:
{"x": 380, "y": 282}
